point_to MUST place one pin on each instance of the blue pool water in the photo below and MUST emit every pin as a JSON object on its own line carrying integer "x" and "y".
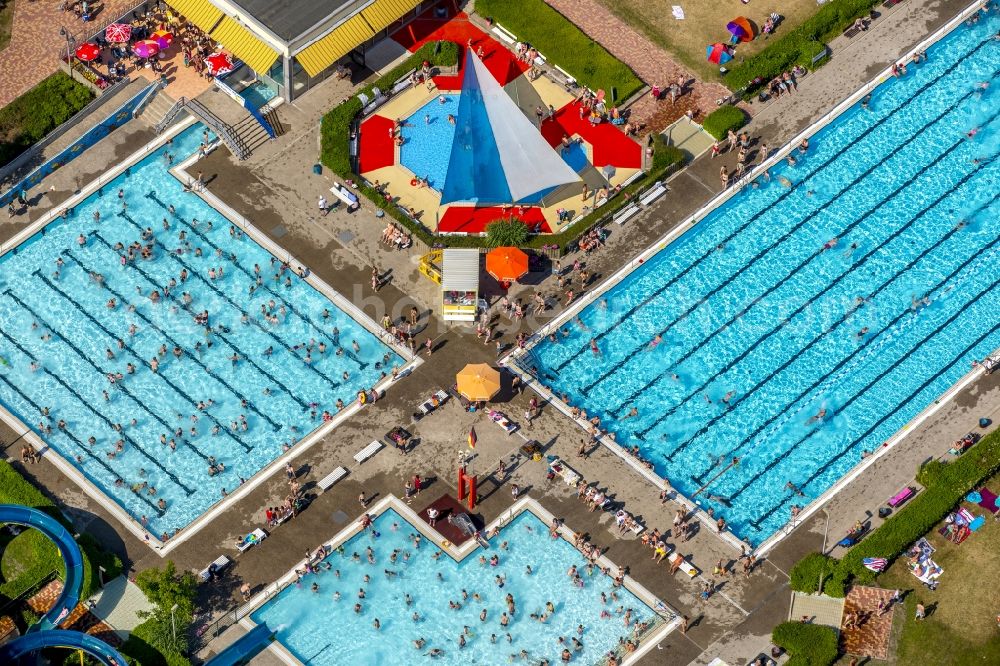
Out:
{"x": 427, "y": 139}
{"x": 763, "y": 330}
{"x": 39, "y": 299}
{"x": 320, "y": 629}
{"x": 258, "y": 94}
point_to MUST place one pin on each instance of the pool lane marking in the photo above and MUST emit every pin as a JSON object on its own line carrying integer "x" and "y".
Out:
{"x": 135, "y": 355}
{"x": 786, "y": 320}
{"x": 79, "y": 397}
{"x": 250, "y": 405}
{"x": 833, "y": 371}
{"x": 362, "y": 364}
{"x": 74, "y": 438}
{"x": 253, "y": 319}
{"x": 788, "y": 234}
{"x": 770, "y": 290}
{"x": 788, "y": 192}
{"x": 855, "y": 442}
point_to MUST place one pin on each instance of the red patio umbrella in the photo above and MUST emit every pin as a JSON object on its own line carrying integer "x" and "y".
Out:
{"x": 163, "y": 38}
{"x": 88, "y": 52}
{"x": 718, "y": 53}
{"x": 219, "y": 63}
{"x": 118, "y": 32}
{"x": 146, "y": 48}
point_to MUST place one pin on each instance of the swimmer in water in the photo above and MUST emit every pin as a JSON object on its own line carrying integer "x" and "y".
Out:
{"x": 818, "y": 416}
{"x": 594, "y": 348}
{"x": 633, "y": 413}
{"x": 830, "y": 244}
{"x": 655, "y": 342}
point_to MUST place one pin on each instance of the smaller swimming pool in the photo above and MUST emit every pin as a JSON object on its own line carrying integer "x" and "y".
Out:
{"x": 380, "y": 594}
{"x": 258, "y": 94}
{"x": 427, "y": 139}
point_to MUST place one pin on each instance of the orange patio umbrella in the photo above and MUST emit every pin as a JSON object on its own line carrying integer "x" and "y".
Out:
{"x": 478, "y": 381}
{"x": 506, "y": 264}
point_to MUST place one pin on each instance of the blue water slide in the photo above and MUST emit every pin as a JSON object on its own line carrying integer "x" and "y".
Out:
{"x": 244, "y": 649}
{"x": 68, "y": 549}
{"x": 43, "y": 633}
{"x": 11, "y": 652}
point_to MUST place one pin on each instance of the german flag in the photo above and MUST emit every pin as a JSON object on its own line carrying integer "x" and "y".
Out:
{"x": 472, "y": 438}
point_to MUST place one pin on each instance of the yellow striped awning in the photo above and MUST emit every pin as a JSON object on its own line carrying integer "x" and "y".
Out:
{"x": 324, "y": 52}
{"x": 244, "y": 45}
{"x": 202, "y": 13}
{"x": 382, "y": 13}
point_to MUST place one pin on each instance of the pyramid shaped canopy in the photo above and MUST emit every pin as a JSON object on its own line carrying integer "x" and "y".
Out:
{"x": 498, "y": 155}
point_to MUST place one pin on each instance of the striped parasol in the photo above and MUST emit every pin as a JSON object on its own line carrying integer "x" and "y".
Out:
{"x": 118, "y": 32}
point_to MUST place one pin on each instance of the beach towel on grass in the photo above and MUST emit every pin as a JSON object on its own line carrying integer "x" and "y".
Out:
{"x": 977, "y": 523}
{"x": 678, "y": 12}
{"x": 989, "y": 500}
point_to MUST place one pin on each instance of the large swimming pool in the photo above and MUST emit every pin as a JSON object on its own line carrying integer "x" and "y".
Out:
{"x": 320, "y": 625}
{"x": 810, "y": 317}
{"x": 234, "y": 389}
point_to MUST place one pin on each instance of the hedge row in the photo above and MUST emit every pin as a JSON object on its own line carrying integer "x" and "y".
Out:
{"x": 725, "y": 118}
{"x": 14, "y": 489}
{"x": 26, "y": 120}
{"x": 807, "y": 644}
{"x": 799, "y": 45}
{"x": 561, "y": 42}
{"x": 948, "y": 485}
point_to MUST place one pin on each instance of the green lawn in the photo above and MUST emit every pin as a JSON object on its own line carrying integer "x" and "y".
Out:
{"x": 6, "y": 21}
{"x": 563, "y": 44}
{"x": 27, "y": 119}
{"x": 961, "y": 626}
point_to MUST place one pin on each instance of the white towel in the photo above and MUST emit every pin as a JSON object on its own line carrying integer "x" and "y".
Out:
{"x": 678, "y": 12}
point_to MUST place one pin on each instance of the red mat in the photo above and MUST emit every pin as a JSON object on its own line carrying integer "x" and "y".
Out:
{"x": 376, "y": 149}
{"x": 611, "y": 146}
{"x": 498, "y": 60}
{"x": 474, "y": 220}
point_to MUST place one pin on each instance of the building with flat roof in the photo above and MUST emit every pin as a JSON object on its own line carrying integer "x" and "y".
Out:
{"x": 293, "y": 45}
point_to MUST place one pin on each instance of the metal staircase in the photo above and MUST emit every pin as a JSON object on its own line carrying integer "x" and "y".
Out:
{"x": 223, "y": 130}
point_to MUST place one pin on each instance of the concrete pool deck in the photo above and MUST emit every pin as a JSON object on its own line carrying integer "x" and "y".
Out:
{"x": 277, "y": 191}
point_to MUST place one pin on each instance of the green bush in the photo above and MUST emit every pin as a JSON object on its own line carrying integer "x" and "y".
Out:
{"x": 26, "y": 120}
{"x": 797, "y": 46}
{"x": 163, "y": 630}
{"x": 725, "y": 118}
{"x": 808, "y": 644}
{"x": 138, "y": 649}
{"x": 563, "y": 44}
{"x": 510, "y": 232}
{"x": 665, "y": 155}
{"x": 805, "y": 575}
{"x": 947, "y": 485}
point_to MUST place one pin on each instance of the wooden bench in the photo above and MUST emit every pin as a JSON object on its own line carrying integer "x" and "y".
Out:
{"x": 427, "y": 406}
{"x": 561, "y": 469}
{"x": 504, "y": 34}
{"x": 332, "y": 478}
{"x": 218, "y": 565}
{"x": 502, "y": 421}
{"x": 653, "y": 194}
{"x": 624, "y": 214}
{"x": 344, "y": 194}
{"x": 367, "y": 452}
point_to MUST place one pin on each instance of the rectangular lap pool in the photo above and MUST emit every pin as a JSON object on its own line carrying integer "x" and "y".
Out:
{"x": 163, "y": 352}
{"x": 384, "y": 600}
{"x": 807, "y": 319}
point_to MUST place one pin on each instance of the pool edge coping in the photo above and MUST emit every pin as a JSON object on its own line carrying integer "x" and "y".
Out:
{"x": 77, "y": 476}
{"x": 458, "y": 554}
{"x": 510, "y": 360}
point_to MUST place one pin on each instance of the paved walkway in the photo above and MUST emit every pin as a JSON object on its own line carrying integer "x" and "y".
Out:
{"x": 870, "y": 636}
{"x": 35, "y": 40}
{"x": 653, "y": 65}
{"x": 79, "y": 619}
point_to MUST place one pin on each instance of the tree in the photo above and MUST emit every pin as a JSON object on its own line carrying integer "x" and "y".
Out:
{"x": 167, "y": 587}
{"x": 510, "y": 232}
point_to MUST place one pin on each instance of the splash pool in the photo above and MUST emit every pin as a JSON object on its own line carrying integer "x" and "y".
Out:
{"x": 233, "y": 390}
{"x": 321, "y": 625}
{"x": 807, "y": 319}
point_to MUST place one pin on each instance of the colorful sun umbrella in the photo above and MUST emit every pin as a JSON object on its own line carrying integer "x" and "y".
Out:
{"x": 87, "y": 52}
{"x": 478, "y": 381}
{"x": 718, "y": 53}
{"x": 740, "y": 29}
{"x": 219, "y": 63}
{"x": 163, "y": 38}
{"x": 146, "y": 48}
{"x": 506, "y": 263}
{"x": 118, "y": 32}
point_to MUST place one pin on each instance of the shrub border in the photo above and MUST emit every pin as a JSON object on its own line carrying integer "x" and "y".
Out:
{"x": 951, "y": 483}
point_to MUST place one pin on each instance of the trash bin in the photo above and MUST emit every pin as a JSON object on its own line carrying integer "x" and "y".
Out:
{"x": 318, "y": 169}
